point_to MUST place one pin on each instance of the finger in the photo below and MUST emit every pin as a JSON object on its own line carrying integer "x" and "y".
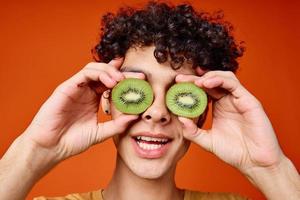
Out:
{"x": 200, "y": 71}
{"x": 104, "y": 82}
{"x": 211, "y": 87}
{"x": 117, "y": 62}
{"x": 114, "y": 72}
{"x": 113, "y": 127}
{"x": 203, "y": 74}
{"x": 228, "y": 74}
{"x": 228, "y": 84}
{"x": 93, "y": 75}
{"x": 185, "y": 78}
{"x": 195, "y": 134}
{"x": 134, "y": 75}
{"x": 108, "y": 81}
{"x": 90, "y": 72}
{"x": 112, "y": 68}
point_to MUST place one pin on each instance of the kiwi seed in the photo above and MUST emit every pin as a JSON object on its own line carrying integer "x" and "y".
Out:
{"x": 186, "y": 99}
{"x": 132, "y": 96}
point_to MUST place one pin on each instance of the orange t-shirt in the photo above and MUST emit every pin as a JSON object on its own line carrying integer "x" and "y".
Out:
{"x": 188, "y": 195}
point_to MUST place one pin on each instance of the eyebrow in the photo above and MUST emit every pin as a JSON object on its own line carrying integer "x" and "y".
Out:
{"x": 132, "y": 69}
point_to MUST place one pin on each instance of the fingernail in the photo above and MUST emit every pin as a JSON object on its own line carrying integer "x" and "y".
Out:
{"x": 181, "y": 120}
{"x": 198, "y": 81}
{"x": 200, "y": 71}
{"x": 120, "y": 76}
{"x": 111, "y": 83}
{"x": 208, "y": 82}
{"x": 141, "y": 75}
{"x": 178, "y": 77}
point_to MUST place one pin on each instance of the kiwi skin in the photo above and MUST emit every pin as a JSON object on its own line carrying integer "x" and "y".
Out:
{"x": 132, "y": 96}
{"x": 186, "y": 99}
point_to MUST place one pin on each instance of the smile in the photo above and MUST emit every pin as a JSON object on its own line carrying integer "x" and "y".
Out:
{"x": 150, "y": 147}
{"x": 150, "y": 143}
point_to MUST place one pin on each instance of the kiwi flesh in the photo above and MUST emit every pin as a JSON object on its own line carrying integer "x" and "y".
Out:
{"x": 132, "y": 96}
{"x": 186, "y": 99}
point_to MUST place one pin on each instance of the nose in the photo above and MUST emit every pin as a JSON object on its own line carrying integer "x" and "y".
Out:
{"x": 157, "y": 112}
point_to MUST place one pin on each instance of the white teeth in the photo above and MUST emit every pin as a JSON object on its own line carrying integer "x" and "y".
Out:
{"x": 149, "y": 146}
{"x": 146, "y": 138}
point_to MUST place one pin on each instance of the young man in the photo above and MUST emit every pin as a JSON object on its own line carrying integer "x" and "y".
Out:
{"x": 163, "y": 45}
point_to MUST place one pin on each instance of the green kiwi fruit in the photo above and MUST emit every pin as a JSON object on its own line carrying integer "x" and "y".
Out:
{"x": 186, "y": 99}
{"x": 132, "y": 96}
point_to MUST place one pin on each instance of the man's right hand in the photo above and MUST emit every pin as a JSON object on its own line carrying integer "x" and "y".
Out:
{"x": 66, "y": 125}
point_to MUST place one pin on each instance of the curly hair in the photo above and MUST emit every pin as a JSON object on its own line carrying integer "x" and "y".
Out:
{"x": 179, "y": 33}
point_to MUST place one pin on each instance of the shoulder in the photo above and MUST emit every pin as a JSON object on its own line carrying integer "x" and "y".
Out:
{"x": 197, "y": 195}
{"x": 92, "y": 195}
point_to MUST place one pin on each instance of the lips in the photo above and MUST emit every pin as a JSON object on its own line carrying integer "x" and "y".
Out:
{"x": 150, "y": 145}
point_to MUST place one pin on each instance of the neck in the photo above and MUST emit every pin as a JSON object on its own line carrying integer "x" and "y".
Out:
{"x": 126, "y": 185}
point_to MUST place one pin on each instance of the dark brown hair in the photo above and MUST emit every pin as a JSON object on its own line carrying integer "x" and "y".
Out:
{"x": 177, "y": 32}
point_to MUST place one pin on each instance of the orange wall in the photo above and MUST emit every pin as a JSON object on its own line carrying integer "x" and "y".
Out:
{"x": 45, "y": 42}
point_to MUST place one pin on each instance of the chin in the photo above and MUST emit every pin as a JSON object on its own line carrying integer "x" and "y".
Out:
{"x": 149, "y": 168}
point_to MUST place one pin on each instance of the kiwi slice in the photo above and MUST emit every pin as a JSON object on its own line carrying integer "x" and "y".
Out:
{"x": 132, "y": 96}
{"x": 186, "y": 99}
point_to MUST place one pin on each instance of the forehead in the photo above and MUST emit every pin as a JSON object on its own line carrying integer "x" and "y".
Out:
{"x": 143, "y": 60}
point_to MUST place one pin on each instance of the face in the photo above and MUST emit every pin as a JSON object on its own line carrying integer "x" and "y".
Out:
{"x": 153, "y": 144}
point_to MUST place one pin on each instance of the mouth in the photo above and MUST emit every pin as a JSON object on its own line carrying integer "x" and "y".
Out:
{"x": 151, "y": 147}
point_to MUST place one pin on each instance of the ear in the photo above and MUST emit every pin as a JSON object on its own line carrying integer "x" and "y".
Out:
{"x": 105, "y": 104}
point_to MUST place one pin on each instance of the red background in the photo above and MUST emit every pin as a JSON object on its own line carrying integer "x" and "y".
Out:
{"x": 45, "y": 42}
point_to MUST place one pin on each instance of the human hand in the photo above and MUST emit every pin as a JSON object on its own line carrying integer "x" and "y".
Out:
{"x": 67, "y": 123}
{"x": 241, "y": 133}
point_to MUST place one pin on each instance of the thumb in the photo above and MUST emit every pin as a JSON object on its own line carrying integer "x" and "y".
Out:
{"x": 195, "y": 134}
{"x": 117, "y": 62}
{"x": 110, "y": 128}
